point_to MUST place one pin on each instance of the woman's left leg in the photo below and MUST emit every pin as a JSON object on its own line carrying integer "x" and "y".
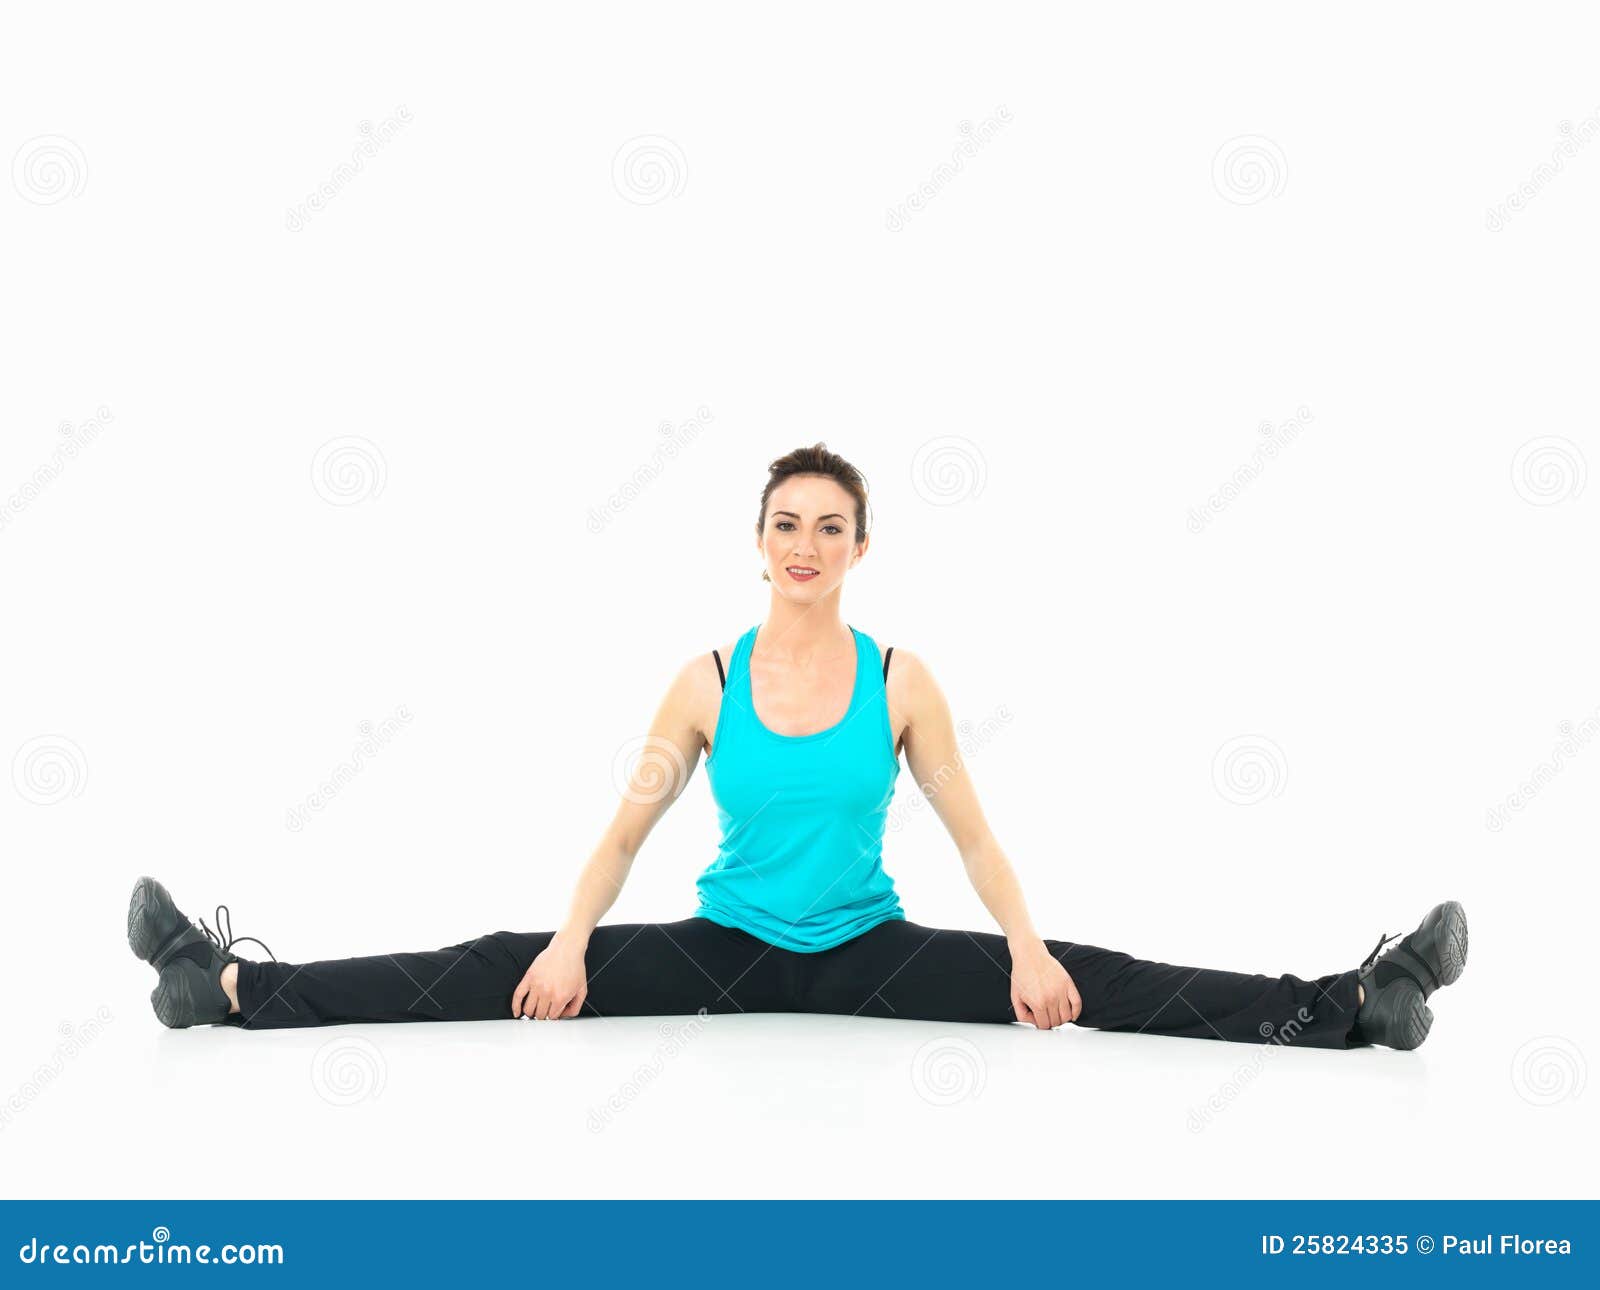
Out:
{"x": 902, "y": 969}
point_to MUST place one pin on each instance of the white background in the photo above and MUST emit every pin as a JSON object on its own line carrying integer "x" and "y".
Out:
{"x": 1044, "y": 373}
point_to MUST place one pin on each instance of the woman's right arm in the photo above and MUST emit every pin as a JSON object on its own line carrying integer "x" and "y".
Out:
{"x": 555, "y": 984}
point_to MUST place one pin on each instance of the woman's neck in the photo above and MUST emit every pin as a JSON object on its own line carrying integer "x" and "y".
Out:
{"x": 803, "y": 633}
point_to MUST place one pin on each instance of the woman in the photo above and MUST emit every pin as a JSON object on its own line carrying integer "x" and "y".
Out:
{"x": 803, "y": 720}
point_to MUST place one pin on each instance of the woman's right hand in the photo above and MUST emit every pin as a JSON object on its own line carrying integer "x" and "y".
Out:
{"x": 555, "y": 984}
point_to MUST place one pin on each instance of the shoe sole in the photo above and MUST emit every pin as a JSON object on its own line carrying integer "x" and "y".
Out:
{"x": 149, "y": 908}
{"x": 173, "y": 1002}
{"x": 1440, "y": 944}
{"x": 1411, "y": 1017}
{"x": 1452, "y": 941}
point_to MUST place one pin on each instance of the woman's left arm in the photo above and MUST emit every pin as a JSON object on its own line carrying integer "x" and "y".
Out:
{"x": 1042, "y": 992}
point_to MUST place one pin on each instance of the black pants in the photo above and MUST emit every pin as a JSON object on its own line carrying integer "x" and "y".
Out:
{"x": 896, "y": 969}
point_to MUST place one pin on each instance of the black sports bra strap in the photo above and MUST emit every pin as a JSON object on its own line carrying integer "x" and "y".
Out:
{"x": 889, "y": 654}
{"x": 721, "y": 675}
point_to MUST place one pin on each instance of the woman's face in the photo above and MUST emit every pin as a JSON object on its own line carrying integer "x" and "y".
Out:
{"x": 810, "y": 524}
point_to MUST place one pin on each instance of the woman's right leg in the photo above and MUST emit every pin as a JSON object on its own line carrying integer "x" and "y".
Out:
{"x": 634, "y": 969}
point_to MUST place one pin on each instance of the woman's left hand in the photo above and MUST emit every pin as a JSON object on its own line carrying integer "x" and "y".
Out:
{"x": 1042, "y": 992}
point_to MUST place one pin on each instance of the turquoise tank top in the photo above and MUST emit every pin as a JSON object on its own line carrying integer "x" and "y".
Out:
{"x": 801, "y": 860}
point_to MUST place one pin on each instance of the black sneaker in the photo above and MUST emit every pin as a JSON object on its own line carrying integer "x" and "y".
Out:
{"x": 1399, "y": 982}
{"x": 189, "y": 958}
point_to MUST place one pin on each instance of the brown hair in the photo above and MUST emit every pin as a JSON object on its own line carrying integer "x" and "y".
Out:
{"x": 817, "y": 460}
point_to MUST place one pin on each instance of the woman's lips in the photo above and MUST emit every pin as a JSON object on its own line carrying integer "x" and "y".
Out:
{"x": 801, "y": 577}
